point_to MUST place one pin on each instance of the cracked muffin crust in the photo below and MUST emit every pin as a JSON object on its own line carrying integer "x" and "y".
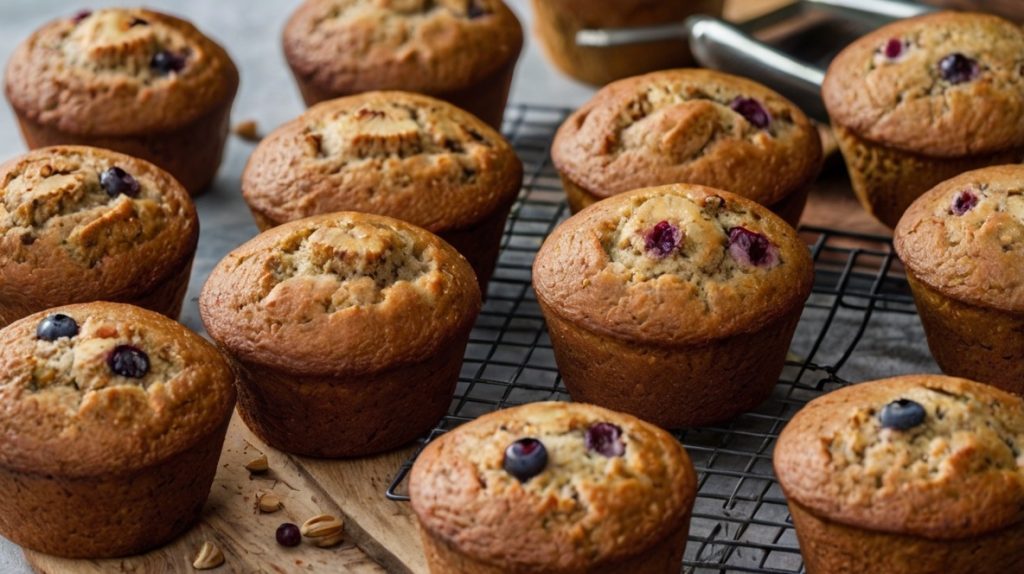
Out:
{"x": 141, "y": 82}
{"x": 924, "y": 99}
{"x": 79, "y": 224}
{"x": 649, "y": 284}
{"x": 963, "y": 246}
{"x": 688, "y": 126}
{"x": 397, "y": 154}
{"x": 591, "y": 508}
{"x": 119, "y": 412}
{"x": 462, "y": 51}
{"x": 945, "y": 482}
{"x": 333, "y": 322}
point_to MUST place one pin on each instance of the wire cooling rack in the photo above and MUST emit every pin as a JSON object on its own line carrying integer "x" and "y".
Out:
{"x": 740, "y": 521}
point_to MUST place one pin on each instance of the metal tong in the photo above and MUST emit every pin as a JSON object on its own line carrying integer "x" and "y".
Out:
{"x": 723, "y": 46}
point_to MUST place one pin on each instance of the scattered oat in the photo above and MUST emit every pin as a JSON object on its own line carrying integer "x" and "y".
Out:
{"x": 269, "y": 502}
{"x": 247, "y": 130}
{"x": 258, "y": 465}
{"x": 209, "y": 557}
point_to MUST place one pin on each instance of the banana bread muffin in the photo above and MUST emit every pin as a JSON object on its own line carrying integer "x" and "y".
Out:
{"x": 922, "y": 100}
{"x": 461, "y": 51}
{"x": 113, "y": 420}
{"x": 132, "y": 80}
{"x": 398, "y": 154}
{"x": 689, "y": 126}
{"x": 557, "y": 22}
{"x": 676, "y": 304}
{"x": 347, "y": 331}
{"x": 963, "y": 246}
{"x": 909, "y": 475}
{"x": 82, "y": 224}
{"x": 554, "y": 487}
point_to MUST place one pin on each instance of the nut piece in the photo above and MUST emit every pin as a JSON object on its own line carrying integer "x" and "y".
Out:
{"x": 269, "y": 502}
{"x": 329, "y": 540}
{"x": 322, "y": 525}
{"x": 247, "y": 130}
{"x": 258, "y": 465}
{"x": 209, "y": 557}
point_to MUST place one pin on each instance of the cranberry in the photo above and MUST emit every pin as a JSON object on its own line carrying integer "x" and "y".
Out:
{"x": 288, "y": 534}
{"x": 55, "y": 326}
{"x": 165, "y": 62}
{"x": 957, "y": 68}
{"x": 964, "y": 202}
{"x": 525, "y": 458}
{"x": 128, "y": 361}
{"x": 605, "y": 439}
{"x": 752, "y": 248}
{"x": 116, "y": 181}
{"x": 893, "y": 48}
{"x": 662, "y": 239}
{"x": 901, "y": 414}
{"x": 81, "y": 15}
{"x": 753, "y": 111}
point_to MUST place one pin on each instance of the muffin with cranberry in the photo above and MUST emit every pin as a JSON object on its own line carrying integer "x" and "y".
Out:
{"x": 689, "y": 126}
{"x": 137, "y": 81}
{"x": 558, "y": 21}
{"x": 553, "y": 487}
{"x": 922, "y": 100}
{"x": 908, "y": 475}
{"x": 461, "y": 51}
{"x": 347, "y": 331}
{"x": 963, "y": 246}
{"x": 82, "y": 224}
{"x": 113, "y": 420}
{"x": 398, "y": 154}
{"x": 676, "y": 304}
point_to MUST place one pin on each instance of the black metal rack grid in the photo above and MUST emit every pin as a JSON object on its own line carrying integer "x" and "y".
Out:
{"x": 740, "y": 521}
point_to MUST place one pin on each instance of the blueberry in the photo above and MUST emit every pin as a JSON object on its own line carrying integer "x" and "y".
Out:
{"x": 893, "y": 48}
{"x": 752, "y": 248}
{"x": 957, "y": 68}
{"x": 964, "y": 202}
{"x": 165, "y": 62}
{"x": 55, "y": 326}
{"x": 81, "y": 15}
{"x": 605, "y": 439}
{"x": 128, "y": 361}
{"x": 525, "y": 458}
{"x": 662, "y": 239}
{"x": 288, "y": 534}
{"x": 116, "y": 181}
{"x": 901, "y": 414}
{"x": 475, "y": 11}
{"x": 136, "y": 21}
{"x": 752, "y": 109}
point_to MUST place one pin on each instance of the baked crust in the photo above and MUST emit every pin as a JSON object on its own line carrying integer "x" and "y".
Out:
{"x": 976, "y": 257}
{"x": 904, "y": 103}
{"x": 582, "y": 511}
{"x": 676, "y": 126}
{"x": 957, "y": 475}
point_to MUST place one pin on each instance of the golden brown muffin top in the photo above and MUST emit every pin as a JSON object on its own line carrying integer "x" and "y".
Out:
{"x": 673, "y": 265}
{"x": 945, "y": 462}
{"x": 119, "y": 72}
{"x": 86, "y": 403}
{"x": 80, "y": 223}
{"x": 398, "y": 154}
{"x": 946, "y": 84}
{"x": 688, "y": 126}
{"x": 339, "y": 294}
{"x": 428, "y": 46}
{"x": 965, "y": 237}
{"x": 613, "y": 486}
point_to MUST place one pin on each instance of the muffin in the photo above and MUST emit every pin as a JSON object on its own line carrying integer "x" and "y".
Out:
{"x": 689, "y": 126}
{"x": 392, "y": 153}
{"x": 140, "y": 82}
{"x": 347, "y": 331}
{"x": 962, "y": 244}
{"x": 911, "y": 475}
{"x": 921, "y": 100}
{"x": 461, "y": 51}
{"x": 81, "y": 224}
{"x": 676, "y": 304}
{"x": 557, "y": 488}
{"x": 556, "y": 23}
{"x": 113, "y": 420}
